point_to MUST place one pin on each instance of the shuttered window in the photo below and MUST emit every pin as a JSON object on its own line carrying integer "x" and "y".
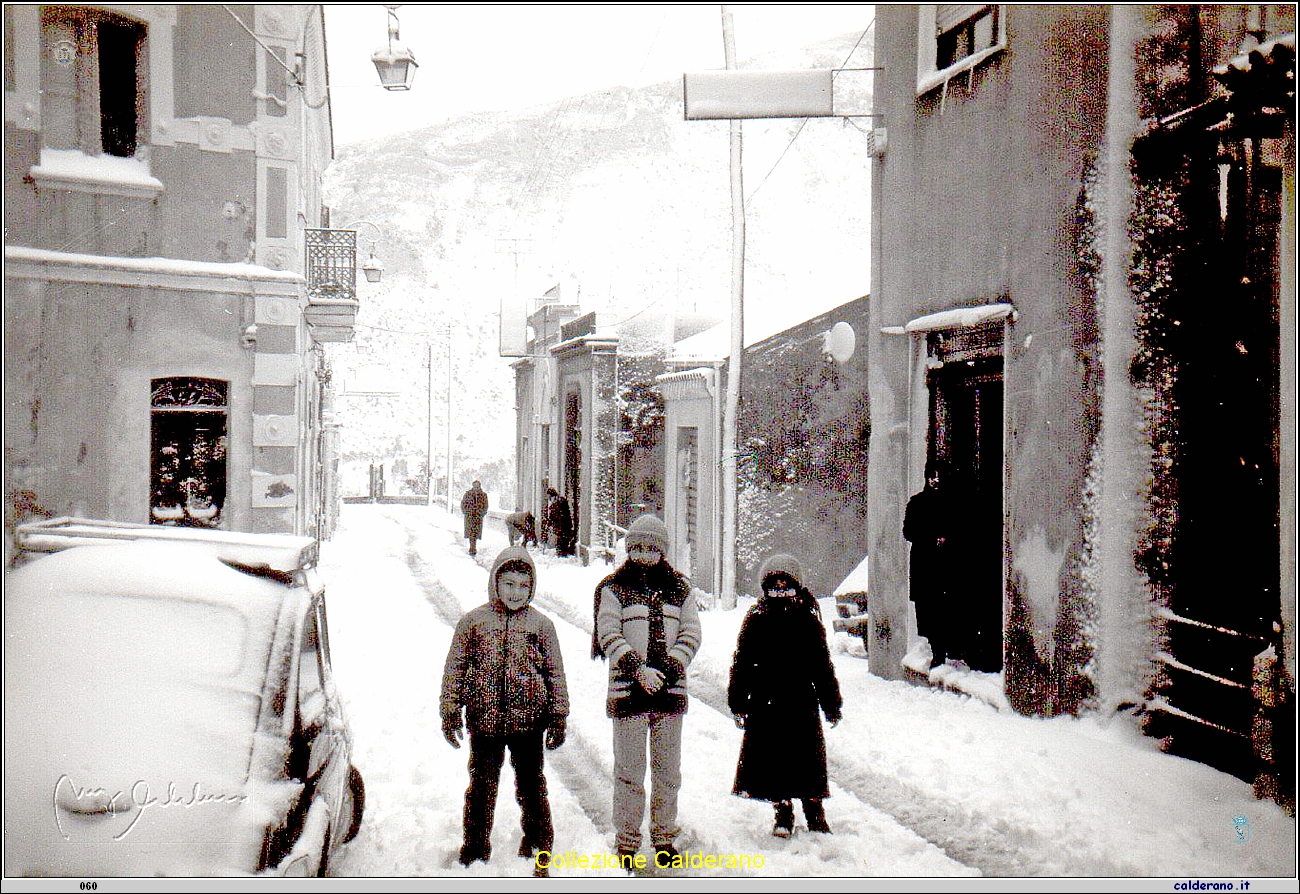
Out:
{"x": 955, "y": 37}
{"x": 949, "y": 15}
{"x": 92, "y": 80}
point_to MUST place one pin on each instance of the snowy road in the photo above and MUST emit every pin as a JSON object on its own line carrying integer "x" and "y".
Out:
{"x": 923, "y": 783}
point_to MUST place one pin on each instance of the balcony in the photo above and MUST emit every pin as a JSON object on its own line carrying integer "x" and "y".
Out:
{"x": 331, "y": 284}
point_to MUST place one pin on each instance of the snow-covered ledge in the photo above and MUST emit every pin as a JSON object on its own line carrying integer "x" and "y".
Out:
{"x": 22, "y": 262}
{"x": 961, "y": 318}
{"x": 69, "y": 169}
{"x": 687, "y": 384}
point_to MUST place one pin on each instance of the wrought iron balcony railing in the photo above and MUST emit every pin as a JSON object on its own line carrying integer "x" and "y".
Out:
{"x": 331, "y": 264}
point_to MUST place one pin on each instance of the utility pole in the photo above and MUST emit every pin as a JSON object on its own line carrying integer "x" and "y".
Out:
{"x": 449, "y": 457}
{"x": 732, "y": 409}
{"x": 430, "y": 427}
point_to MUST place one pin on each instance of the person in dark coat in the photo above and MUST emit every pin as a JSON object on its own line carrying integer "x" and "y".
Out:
{"x": 505, "y": 671}
{"x": 545, "y": 532}
{"x": 474, "y": 505}
{"x": 560, "y": 518}
{"x": 782, "y": 681}
{"x": 521, "y": 528}
{"x": 926, "y": 524}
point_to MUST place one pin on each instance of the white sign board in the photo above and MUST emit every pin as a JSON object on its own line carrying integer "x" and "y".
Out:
{"x": 731, "y": 93}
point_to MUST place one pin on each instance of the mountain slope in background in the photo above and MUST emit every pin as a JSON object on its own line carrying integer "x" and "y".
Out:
{"x": 613, "y": 196}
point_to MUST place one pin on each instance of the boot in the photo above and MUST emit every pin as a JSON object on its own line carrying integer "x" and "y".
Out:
{"x": 815, "y": 815}
{"x": 784, "y": 825}
{"x": 470, "y": 853}
{"x": 627, "y": 859}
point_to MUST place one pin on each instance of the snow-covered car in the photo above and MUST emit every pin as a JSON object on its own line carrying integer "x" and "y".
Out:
{"x": 170, "y": 707}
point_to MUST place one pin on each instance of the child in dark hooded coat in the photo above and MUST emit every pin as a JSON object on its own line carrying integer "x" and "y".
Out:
{"x": 781, "y": 675}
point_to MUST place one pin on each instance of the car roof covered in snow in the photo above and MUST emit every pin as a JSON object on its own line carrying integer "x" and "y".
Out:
{"x": 280, "y": 553}
{"x": 143, "y": 665}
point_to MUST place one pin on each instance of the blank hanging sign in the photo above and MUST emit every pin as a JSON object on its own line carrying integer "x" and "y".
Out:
{"x": 731, "y": 93}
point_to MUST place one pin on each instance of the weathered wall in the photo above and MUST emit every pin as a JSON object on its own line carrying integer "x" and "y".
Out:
{"x": 976, "y": 202}
{"x": 215, "y": 68}
{"x": 77, "y": 396}
{"x": 697, "y": 413}
{"x": 803, "y": 434}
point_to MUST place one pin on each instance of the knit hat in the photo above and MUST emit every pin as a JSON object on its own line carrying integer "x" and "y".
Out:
{"x": 513, "y": 555}
{"x": 784, "y": 565}
{"x": 781, "y": 564}
{"x": 648, "y": 531}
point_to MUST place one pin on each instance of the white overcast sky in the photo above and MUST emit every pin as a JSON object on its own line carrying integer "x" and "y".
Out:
{"x": 490, "y": 57}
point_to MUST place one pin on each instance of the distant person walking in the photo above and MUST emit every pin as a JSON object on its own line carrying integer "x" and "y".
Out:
{"x": 782, "y": 681}
{"x": 926, "y": 525}
{"x": 474, "y": 505}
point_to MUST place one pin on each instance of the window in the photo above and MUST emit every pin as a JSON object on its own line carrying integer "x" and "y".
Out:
{"x": 93, "y": 88}
{"x": 188, "y": 452}
{"x": 954, "y": 38}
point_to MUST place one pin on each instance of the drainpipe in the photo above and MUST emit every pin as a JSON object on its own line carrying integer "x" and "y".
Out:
{"x": 1123, "y": 487}
{"x": 716, "y": 474}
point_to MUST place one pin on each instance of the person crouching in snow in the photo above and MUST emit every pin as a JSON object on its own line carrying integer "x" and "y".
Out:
{"x": 780, "y": 675}
{"x": 521, "y": 527}
{"x": 504, "y": 668}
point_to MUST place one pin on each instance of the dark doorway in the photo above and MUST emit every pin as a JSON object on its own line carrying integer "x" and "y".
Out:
{"x": 1211, "y": 345}
{"x": 188, "y": 452}
{"x": 573, "y": 456}
{"x": 966, "y": 435}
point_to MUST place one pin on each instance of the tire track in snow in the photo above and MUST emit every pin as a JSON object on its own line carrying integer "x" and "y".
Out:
{"x": 445, "y": 605}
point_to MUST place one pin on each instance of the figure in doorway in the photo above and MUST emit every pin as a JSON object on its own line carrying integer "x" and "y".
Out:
{"x": 474, "y": 505}
{"x": 926, "y": 525}
{"x": 559, "y": 517}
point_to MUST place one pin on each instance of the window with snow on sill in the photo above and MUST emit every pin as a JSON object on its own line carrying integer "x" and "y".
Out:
{"x": 75, "y": 170}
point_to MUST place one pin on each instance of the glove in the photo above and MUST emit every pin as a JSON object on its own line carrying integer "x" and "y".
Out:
{"x": 650, "y": 678}
{"x": 673, "y": 670}
{"x": 452, "y": 729}
{"x": 555, "y": 734}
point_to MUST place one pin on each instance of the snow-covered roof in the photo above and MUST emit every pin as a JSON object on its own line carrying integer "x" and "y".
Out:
{"x": 1280, "y": 49}
{"x": 714, "y": 343}
{"x": 856, "y": 581}
{"x": 687, "y": 384}
{"x": 699, "y": 373}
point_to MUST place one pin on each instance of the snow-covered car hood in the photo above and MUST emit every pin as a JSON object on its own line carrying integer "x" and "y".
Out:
{"x": 133, "y": 687}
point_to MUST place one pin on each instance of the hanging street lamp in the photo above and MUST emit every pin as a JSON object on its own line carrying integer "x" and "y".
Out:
{"x": 395, "y": 63}
{"x": 372, "y": 267}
